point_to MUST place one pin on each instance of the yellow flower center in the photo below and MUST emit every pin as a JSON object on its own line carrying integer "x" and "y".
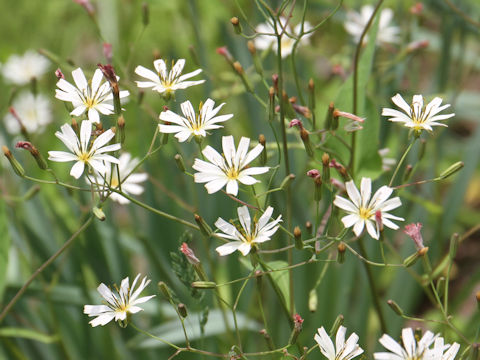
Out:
{"x": 365, "y": 213}
{"x": 114, "y": 182}
{"x": 232, "y": 174}
{"x": 90, "y": 102}
{"x": 84, "y": 156}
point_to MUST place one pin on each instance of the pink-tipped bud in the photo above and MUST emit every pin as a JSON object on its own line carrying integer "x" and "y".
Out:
{"x": 338, "y": 184}
{"x": 416, "y": 9}
{"x": 338, "y": 113}
{"x": 296, "y": 122}
{"x": 413, "y": 230}
{"x": 108, "y": 52}
{"x": 275, "y": 82}
{"x": 189, "y": 254}
{"x": 314, "y": 173}
{"x": 59, "y": 74}
{"x": 225, "y": 53}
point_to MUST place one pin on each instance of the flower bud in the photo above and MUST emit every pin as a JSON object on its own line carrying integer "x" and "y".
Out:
{"x": 42, "y": 164}
{"x": 204, "y": 285}
{"x": 412, "y": 259}
{"x": 329, "y": 117}
{"x": 241, "y": 72}
{"x": 297, "y": 234}
{"x": 306, "y": 142}
{"x": 99, "y": 214}
{"x": 59, "y": 74}
{"x": 165, "y": 290}
{"x": 407, "y": 172}
{"x": 453, "y": 246}
{"x": 179, "y": 161}
{"x": 256, "y": 59}
{"x": 182, "y": 310}
{"x": 271, "y": 104}
{"x": 325, "y": 167}
{"x": 452, "y": 170}
{"x": 312, "y": 300}
{"x": 297, "y": 328}
{"x": 19, "y": 170}
{"x": 75, "y": 125}
{"x": 121, "y": 128}
{"x": 189, "y": 254}
{"x": 287, "y": 181}
{"x": 394, "y": 306}
{"x": 205, "y": 229}
{"x": 236, "y": 25}
{"x": 318, "y": 188}
{"x": 309, "y": 227}
{"x": 311, "y": 100}
{"x": 336, "y": 325}
{"x": 341, "y": 249}
{"x": 275, "y": 82}
{"x": 145, "y": 14}
{"x": 263, "y": 155}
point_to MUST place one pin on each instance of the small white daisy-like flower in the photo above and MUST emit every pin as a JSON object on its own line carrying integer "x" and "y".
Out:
{"x": 362, "y": 211}
{"x": 268, "y": 38}
{"x": 82, "y": 151}
{"x": 411, "y": 348}
{"x": 129, "y": 185}
{"x": 92, "y": 97}
{"x": 32, "y": 110}
{"x": 250, "y": 234}
{"x": 417, "y": 116}
{"x": 119, "y": 304}
{"x": 343, "y": 350}
{"x": 356, "y": 22}
{"x": 441, "y": 351}
{"x": 230, "y": 168}
{"x": 20, "y": 70}
{"x": 165, "y": 83}
{"x": 192, "y": 124}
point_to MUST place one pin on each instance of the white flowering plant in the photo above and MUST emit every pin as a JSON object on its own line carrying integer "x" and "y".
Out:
{"x": 262, "y": 179}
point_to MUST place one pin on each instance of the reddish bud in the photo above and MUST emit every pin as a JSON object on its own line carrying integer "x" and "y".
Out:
{"x": 413, "y": 230}
{"x": 189, "y": 254}
{"x": 314, "y": 173}
{"x": 59, "y": 74}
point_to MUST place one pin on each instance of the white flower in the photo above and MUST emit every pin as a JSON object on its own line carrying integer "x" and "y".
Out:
{"x": 264, "y": 41}
{"x": 120, "y": 304}
{"x": 191, "y": 124}
{"x": 229, "y": 168}
{"x": 438, "y": 351}
{"x": 417, "y": 116}
{"x": 356, "y": 23}
{"x": 92, "y": 96}
{"x": 82, "y": 151}
{"x": 32, "y": 110}
{"x": 344, "y": 350}
{"x": 20, "y": 70}
{"x": 250, "y": 234}
{"x": 363, "y": 211}
{"x": 130, "y": 184}
{"x": 411, "y": 349}
{"x": 163, "y": 83}
{"x": 387, "y": 163}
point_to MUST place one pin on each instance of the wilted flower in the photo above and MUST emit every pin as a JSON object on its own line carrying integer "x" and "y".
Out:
{"x": 356, "y": 23}
{"x": 92, "y": 96}
{"x": 119, "y": 304}
{"x": 362, "y": 210}
{"x": 250, "y": 233}
{"x": 163, "y": 83}
{"x": 413, "y": 230}
{"x": 343, "y": 350}
{"x": 411, "y": 348}
{"x": 82, "y": 151}
{"x": 417, "y": 116}
{"x": 230, "y": 168}
{"x": 20, "y": 70}
{"x": 32, "y": 110}
{"x": 192, "y": 124}
{"x": 268, "y": 37}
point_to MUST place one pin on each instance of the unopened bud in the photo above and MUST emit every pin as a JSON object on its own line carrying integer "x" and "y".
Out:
{"x": 318, "y": 188}
{"x": 309, "y": 227}
{"x": 99, "y": 214}
{"x": 302, "y": 110}
{"x": 453, "y": 246}
{"x": 325, "y": 167}
{"x": 329, "y": 117}
{"x": 311, "y": 101}
{"x": 165, "y": 290}
{"x": 263, "y": 155}
{"x": 59, "y": 74}
{"x": 297, "y": 328}
{"x": 297, "y": 234}
{"x": 74, "y": 125}
{"x": 394, "y": 306}
{"x": 236, "y": 25}
{"x": 407, "y": 173}
{"x": 251, "y": 47}
{"x": 275, "y": 82}
{"x": 271, "y": 104}
{"x": 287, "y": 181}
{"x": 42, "y": 164}
{"x": 313, "y": 173}
{"x": 226, "y": 54}
{"x": 182, "y": 310}
{"x": 306, "y": 142}
{"x": 145, "y": 14}
{"x": 179, "y": 161}
{"x": 19, "y": 170}
{"x": 452, "y": 170}
{"x": 189, "y": 254}
{"x": 241, "y": 72}
{"x": 204, "y": 285}
{"x": 341, "y": 249}
{"x": 121, "y": 128}
{"x": 238, "y": 68}
{"x": 205, "y": 229}
{"x": 312, "y": 300}
{"x": 412, "y": 259}
{"x": 336, "y": 325}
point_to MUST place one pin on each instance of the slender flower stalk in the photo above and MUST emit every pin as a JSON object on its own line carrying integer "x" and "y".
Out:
{"x": 119, "y": 304}
{"x": 250, "y": 234}
{"x": 83, "y": 152}
{"x": 191, "y": 124}
{"x": 342, "y": 350}
{"x": 230, "y": 168}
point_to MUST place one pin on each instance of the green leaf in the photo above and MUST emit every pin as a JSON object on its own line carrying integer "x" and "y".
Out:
{"x": 28, "y": 334}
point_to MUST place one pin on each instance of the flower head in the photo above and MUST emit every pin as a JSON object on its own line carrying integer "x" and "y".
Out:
{"x": 417, "y": 116}
{"x": 411, "y": 348}
{"x": 362, "y": 210}
{"x": 441, "y": 351}
{"x": 33, "y": 111}
{"x": 20, "y": 70}
{"x": 250, "y": 233}
{"x": 268, "y": 35}
{"x": 343, "y": 350}
{"x": 356, "y": 23}
{"x": 84, "y": 152}
{"x": 166, "y": 83}
{"x": 92, "y": 96}
{"x": 230, "y": 168}
{"x": 192, "y": 124}
{"x": 119, "y": 304}
{"x": 129, "y": 183}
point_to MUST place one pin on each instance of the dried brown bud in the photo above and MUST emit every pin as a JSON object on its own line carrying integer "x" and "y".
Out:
{"x": 325, "y": 159}
{"x": 251, "y": 47}
{"x": 297, "y": 233}
{"x": 262, "y": 140}
{"x": 238, "y": 68}
{"x": 234, "y": 20}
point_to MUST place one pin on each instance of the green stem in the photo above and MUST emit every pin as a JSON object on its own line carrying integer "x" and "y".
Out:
{"x": 402, "y": 159}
